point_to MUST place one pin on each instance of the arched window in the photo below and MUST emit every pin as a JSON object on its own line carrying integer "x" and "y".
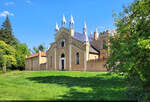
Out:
{"x": 77, "y": 58}
{"x": 62, "y": 44}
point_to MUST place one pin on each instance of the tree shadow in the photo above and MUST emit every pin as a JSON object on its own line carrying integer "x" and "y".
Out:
{"x": 101, "y": 88}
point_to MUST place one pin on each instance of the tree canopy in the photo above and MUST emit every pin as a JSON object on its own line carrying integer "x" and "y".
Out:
{"x": 7, "y": 55}
{"x": 130, "y": 48}
{"x": 6, "y": 33}
{"x": 12, "y": 52}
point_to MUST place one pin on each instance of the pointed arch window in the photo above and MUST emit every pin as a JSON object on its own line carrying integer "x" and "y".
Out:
{"x": 62, "y": 43}
{"x": 77, "y": 58}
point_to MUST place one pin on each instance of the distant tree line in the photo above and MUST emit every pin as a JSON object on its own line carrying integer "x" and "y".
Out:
{"x": 12, "y": 52}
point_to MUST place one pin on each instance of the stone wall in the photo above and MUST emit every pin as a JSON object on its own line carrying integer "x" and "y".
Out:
{"x": 96, "y": 65}
{"x": 43, "y": 66}
{"x": 32, "y": 63}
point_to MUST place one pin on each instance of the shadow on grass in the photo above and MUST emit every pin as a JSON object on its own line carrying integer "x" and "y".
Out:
{"x": 101, "y": 88}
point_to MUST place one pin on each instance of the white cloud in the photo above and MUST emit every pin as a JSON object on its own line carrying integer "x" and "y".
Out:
{"x": 9, "y": 3}
{"x": 5, "y": 13}
{"x": 28, "y": 1}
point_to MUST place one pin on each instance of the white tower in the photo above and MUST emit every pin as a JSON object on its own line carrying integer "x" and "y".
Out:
{"x": 85, "y": 32}
{"x": 71, "y": 26}
{"x": 87, "y": 45}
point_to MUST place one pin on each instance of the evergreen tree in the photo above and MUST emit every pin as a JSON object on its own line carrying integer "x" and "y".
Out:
{"x": 7, "y": 25}
{"x": 6, "y": 34}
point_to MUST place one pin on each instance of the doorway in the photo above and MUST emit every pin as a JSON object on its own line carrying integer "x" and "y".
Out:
{"x": 62, "y": 62}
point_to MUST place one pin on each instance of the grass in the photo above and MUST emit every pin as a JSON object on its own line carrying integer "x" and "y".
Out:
{"x": 61, "y": 85}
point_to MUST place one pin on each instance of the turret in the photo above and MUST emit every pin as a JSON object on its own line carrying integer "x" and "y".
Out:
{"x": 71, "y": 22}
{"x": 85, "y": 33}
{"x": 71, "y": 26}
{"x": 63, "y": 21}
{"x": 56, "y": 28}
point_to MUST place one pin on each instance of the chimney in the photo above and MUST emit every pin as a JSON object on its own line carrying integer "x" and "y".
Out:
{"x": 95, "y": 35}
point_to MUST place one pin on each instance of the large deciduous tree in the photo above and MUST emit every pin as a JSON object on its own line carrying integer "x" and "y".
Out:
{"x": 130, "y": 48}
{"x": 21, "y": 52}
{"x": 7, "y": 56}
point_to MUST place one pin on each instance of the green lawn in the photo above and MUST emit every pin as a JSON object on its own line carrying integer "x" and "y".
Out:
{"x": 61, "y": 85}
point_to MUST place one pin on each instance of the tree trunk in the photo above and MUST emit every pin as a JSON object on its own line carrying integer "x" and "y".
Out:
{"x": 4, "y": 67}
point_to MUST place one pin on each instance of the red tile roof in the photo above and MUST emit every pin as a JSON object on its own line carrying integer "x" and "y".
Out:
{"x": 43, "y": 54}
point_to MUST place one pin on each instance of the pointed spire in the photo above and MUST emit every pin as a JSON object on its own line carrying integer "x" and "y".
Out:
{"x": 56, "y": 28}
{"x": 85, "y": 32}
{"x": 90, "y": 33}
{"x": 71, "y": 21}
{"x": 96, "y": 30}
{"x": 84, "y": 27}
{"x": 63, "y": 21}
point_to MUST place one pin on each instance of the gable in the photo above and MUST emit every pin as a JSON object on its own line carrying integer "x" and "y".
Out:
{"x": 62, "y": 33}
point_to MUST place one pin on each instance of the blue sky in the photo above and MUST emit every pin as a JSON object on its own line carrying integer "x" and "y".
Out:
{"x": 33, "y": 21}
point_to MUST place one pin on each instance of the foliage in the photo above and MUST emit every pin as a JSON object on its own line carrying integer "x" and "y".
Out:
{"x": 40, "y": 48}
{"x": 21, "y": 52}
{"x": 130, "y": 48}
{"x": 62, "y": 85}
{"x": 35, "y": 50}
{"x": 6, "y": 25}
{"x": 7, "y": 37}
{"x": 7, "y": 55}
{"x": 6, "y": 33}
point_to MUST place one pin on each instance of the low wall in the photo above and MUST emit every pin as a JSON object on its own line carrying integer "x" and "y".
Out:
{"x": 96, "y": 65}
{"x": 43, "y": 66}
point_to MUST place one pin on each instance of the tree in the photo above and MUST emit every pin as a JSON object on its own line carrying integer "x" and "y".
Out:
{"x": 130, "y": 48}
{"x": 6, "y": 25}
{"x": 35, "y": 50}
{"x": 6, "y": 34}
{"x": 7, "y": 56}
{"x": 21, "y": 52}
{"x": 40, "y": 48}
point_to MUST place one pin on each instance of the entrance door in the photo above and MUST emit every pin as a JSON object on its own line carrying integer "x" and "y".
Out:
{"x": 62, "y": 62}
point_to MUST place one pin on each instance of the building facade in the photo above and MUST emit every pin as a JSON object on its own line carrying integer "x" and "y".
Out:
{"x": 36, "y": 61}
{"x": 74, "y": 51}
